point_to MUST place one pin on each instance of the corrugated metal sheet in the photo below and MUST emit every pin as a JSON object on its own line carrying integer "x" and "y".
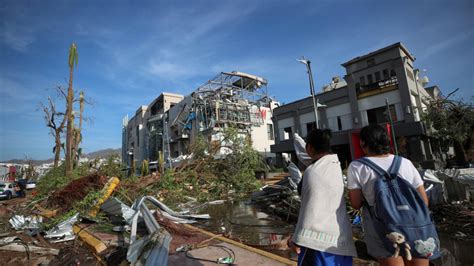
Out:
{"x": 158, "y": 239}
{"x": 63, "y": 231}
{"x": 26, "y": 222}
{"x": 118, "y": 209}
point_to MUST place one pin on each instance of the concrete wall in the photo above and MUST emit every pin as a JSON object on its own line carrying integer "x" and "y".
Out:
{"x": 261, "y": 142}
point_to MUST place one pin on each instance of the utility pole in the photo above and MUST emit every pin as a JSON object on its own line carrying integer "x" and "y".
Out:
{"x": 307, "y": 62}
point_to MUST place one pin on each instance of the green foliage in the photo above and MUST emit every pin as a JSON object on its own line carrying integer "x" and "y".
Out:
{"x": 73, "y": 56}
{"x": 206, "y": 177}
{"x": 52, "y": 222}
{"x": 452, "y": 120}
{"x": 55, "y": 178}
{"x": 82, "y": 207}
{"x": 133, "y": 168}
{"x": 161, "y": 162}
{"x": 112, "y": 167}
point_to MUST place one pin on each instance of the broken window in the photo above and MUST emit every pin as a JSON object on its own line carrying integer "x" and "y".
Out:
{"x": 339, "y": 123}
{"x": 288, "y": 133}
{"x": 392, "y": 73}
{"x": 310, "y": 127}
{"x": 410, "y": 74}
{"x": 370, "y": 80}
{"x": 270, "y": 133}
{"x": 380, "y": 115}
{"x": 138, "y": 135}
{"x": 377, "y": 76}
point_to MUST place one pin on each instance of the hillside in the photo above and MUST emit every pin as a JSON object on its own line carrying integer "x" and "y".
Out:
{"x": 105, "y": 153}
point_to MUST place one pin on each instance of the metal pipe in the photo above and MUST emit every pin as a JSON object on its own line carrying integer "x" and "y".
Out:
{"x": 392, "y": 128}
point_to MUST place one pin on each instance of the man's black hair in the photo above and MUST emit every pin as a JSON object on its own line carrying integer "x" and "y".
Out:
{"x": 375, "y": 138}
{"x": 320, "y": 140}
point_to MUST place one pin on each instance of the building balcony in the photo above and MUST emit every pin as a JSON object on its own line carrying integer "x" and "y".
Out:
{"x": 377, "y": 87}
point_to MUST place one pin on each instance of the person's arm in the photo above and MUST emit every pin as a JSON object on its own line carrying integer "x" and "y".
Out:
{"x": 355, "y": 189}
{"x": 355, "y": 197}
{"x": 421, "y": 190}
{"x": 417, "y": 181}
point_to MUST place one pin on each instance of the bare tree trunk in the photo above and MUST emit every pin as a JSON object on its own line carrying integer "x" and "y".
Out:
{"x": 57, "y": 151}
{"x": 70, "y": 121}
{"x": 77, "y": 132}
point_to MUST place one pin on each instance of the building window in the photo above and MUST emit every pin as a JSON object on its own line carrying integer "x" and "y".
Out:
{"x": 288, "y": 133}
{"x": 339, "y": 123}
{"x": 392, "y": 73}
{"x": 380, "y": 115}
{"x": 270, "y": 132}
{"x": 385, "y": 74}
{"x": 362, "y": 81}
{"x": 137, "y": 130}
{"x": 310, "y": 127}
{"x": 370, "y": 62}
{"x": 377, "y": 76}
{"x": 370, "y": 80}
{"x": 410, "y": 74}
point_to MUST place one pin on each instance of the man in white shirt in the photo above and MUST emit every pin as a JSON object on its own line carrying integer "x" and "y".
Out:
{"x": 323, "y": 232}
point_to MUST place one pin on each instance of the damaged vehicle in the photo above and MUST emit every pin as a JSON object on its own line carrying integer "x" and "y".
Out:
{"x": 7, "y": 190}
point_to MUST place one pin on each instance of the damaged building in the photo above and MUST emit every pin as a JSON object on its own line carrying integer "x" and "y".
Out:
{"x": 172, "y": 122}
{"x": 347, "y": 105}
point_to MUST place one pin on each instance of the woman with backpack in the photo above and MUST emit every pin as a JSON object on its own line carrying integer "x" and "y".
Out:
{"x": 381, "y": 179}
{"x": 323, "y": 234}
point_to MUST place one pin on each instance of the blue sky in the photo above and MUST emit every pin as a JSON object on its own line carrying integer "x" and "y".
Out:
{"x": 131, "y": 51}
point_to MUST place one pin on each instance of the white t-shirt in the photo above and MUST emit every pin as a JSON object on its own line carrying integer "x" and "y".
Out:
{"x": 360, "y": 176}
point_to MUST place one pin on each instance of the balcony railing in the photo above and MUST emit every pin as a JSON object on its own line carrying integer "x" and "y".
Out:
{"x": 377, "y": 87}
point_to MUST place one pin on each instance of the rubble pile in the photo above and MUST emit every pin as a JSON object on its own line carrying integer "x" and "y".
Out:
{"x": 144, "y": 233}
{"x": 458, "y": 217}
{"x": 281, "y": 198}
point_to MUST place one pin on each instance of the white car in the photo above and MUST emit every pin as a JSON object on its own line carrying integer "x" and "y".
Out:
{"x": 31, "y": 185}
{"x": 7, "y": 190}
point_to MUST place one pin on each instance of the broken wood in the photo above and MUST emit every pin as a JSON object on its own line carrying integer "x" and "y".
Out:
{"x": 35, "y": 249}
{"x": 94, "y": 243}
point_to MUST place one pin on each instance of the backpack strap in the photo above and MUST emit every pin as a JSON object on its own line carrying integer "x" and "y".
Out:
{"x": 377, "y": 169}
{"x": 395, "y": 167}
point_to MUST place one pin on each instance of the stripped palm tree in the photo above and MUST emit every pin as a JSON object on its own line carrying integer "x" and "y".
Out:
{"x": 72, "y": 62}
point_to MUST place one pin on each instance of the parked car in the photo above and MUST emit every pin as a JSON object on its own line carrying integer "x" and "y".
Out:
{"x": 31, "y": 184}
{"x": 7, "y": 190}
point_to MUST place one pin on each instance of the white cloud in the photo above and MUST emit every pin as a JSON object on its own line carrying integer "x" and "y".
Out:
{"x": 447, "y": 43}
{"x": 16, "y": 36}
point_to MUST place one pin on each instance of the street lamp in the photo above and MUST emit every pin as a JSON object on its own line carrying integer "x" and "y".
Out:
{"x": 307, "y": 63}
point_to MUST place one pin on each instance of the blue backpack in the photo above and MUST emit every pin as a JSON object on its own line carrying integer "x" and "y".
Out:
{"x": 400, "y": 216}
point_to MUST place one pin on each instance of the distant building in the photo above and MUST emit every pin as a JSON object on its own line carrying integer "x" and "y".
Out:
{"x": 142, "y": 135}
{"x": 172, "y": 122}
{"x": 360, "y": 100}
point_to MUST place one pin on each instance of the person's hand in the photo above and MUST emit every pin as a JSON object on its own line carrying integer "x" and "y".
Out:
{"x": 295, "y": 248}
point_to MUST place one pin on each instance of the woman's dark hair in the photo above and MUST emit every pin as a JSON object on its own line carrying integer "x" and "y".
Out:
{"x": 375, "y": 138}
{"x": 320, "y": 140}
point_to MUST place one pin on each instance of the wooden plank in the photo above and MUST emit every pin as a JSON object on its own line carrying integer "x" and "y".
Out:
{"x": 21, "y": 248}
